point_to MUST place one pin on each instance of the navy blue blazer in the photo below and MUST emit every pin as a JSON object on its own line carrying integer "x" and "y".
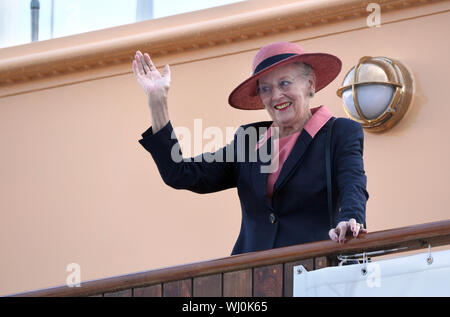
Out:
{"x": 299, "y": 211}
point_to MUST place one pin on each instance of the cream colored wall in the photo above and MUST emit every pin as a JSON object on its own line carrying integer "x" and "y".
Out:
{"x": 76, "y": 186}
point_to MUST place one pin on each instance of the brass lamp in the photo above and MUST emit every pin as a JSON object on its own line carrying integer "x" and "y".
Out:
{"x": 377, "y": 92}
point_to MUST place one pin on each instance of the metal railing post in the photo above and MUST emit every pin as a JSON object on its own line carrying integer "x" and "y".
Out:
{"x": 35, "y": 6}
{"x": 144, "y": 10}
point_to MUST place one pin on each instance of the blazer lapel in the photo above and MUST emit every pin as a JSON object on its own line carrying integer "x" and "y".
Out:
{"x": 294, "y": 159}
{"x": 261, "y": 168}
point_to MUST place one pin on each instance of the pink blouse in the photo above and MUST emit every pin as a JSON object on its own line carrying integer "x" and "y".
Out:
{"x": 320, "y": 116}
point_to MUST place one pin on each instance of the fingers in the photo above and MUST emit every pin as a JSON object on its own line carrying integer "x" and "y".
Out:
{"x": 144, "y": 64}
{"x": 338, "y": 234}
{"x": 137, "y": 64}
{"x": 148, "y": 76}
{"x": 148, "y": 62}
{"x": 343, "y": 226}
{"x": 354, "y": 227}
{"x": 333, "y": 235}
{"x": 148, "y": 66}
{"x": 166, "y": 72}
{"x": 134, "y": 67}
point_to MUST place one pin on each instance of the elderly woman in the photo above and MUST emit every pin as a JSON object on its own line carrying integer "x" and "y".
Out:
{"x": 289, "y": 203}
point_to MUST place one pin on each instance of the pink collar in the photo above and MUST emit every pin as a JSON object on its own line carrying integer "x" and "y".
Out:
{"x": 320, "y": 116}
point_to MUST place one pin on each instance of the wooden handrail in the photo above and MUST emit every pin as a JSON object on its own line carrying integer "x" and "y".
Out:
{"x": 411, "y": 237}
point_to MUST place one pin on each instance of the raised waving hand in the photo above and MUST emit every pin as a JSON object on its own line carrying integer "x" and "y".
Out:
{"x": 156, "y": 86}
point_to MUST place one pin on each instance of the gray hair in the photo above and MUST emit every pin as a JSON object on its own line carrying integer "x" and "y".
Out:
{"x": 306, "y": 71}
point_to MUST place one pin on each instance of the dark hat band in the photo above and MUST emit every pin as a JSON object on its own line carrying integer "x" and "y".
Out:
{"x": 270, "y": 61}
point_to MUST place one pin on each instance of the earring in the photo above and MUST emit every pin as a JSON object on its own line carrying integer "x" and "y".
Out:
{"x": 311, "y": 94}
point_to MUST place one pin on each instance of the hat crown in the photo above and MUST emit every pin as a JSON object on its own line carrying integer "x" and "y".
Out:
{"x": 274, "y": 49}
{"x": 326, "y": 67}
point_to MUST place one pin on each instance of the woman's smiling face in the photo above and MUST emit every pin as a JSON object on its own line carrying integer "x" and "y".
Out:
{"x": 285, "y": 93}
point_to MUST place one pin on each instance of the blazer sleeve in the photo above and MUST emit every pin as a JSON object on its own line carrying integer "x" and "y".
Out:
{"x": 350, "y": 176}
{"x": 205, "y": 173}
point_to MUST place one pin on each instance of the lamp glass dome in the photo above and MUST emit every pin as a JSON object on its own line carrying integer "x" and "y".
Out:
{"x": 373, "y": 99}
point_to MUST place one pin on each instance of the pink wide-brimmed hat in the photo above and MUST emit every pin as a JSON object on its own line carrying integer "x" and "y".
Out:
{"x": 326, "y": 68}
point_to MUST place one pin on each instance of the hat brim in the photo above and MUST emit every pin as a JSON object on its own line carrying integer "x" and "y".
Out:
{"x": 326, "y": 68}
